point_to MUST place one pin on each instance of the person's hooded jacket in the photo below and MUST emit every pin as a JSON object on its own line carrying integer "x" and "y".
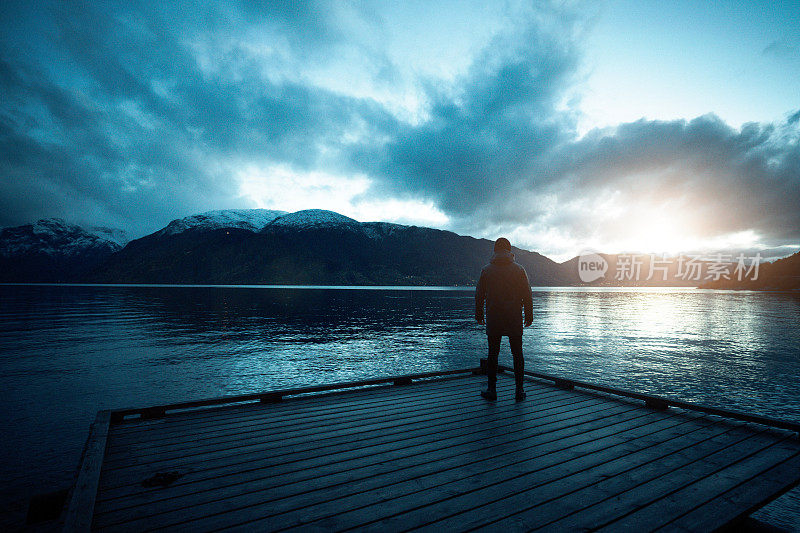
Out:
{"x": 504, "y": 289}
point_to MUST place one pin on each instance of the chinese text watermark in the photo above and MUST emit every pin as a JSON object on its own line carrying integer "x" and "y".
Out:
{"x": 646, "y": 267}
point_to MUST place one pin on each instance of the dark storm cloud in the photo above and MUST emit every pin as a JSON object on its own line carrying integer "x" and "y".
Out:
{"x": 134, "y": 114}
{"x": 492, "y": 153}
{"x": 734, "y": 180}
{"x": 478, "y": 145}
{"x": 116, "y": 119}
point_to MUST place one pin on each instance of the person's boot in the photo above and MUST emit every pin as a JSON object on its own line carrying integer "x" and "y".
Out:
{"x": 490, "y": 394}
{"x": 520, "y": 395}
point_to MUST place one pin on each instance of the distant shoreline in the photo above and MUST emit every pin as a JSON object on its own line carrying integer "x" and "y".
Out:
{"x": 432, "y": 288}
{"x": 593, "y": 288}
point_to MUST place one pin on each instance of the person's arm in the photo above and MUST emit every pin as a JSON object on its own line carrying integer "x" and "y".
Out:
{"x": 480, "y": 298}
{"x": 527, "y": 299}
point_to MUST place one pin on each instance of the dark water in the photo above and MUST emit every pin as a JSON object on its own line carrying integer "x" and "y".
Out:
{"x": 67, "y": 351}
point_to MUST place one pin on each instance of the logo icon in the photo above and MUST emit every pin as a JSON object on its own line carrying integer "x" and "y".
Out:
{"x": 591, "y": 266}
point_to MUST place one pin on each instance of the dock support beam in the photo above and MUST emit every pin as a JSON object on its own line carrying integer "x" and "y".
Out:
{"x": 271, "y": 397}
{"x": 153, "y": 412}
{"x": 564, "y": 384}
{"x": 657, "y": 404}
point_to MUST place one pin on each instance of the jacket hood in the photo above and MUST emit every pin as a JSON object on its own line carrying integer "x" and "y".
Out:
{"x": 502, "y": 257}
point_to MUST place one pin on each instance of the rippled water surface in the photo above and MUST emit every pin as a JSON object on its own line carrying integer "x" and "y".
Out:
{"x": 68, "y": 351}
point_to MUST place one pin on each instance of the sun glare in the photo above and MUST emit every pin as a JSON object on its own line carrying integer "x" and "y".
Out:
{"x": 675, "y": 235}
{"x": 658, "y": 235}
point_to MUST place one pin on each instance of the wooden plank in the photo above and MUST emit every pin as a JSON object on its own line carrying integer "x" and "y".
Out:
{"x": 285, "y": 421}
{"x": 264, "y": 434}
{"x": 371, "y": 479}
{"x": 378, "y": 393}
{"x": 296, "y": 452}
{"x": 290, "y": 408}
{"x": 321, "y": 427}
{"x": 177, "y": 421}
{"x": 116, "y": 413}
{"x": 380, "y": 442}
{"x": 705, "y": 481}
{"x": 396, "y": 457}
{"x": 620, "y": 495}
{"x": 667, "y": 402}
{"x": 570, "y": 502}
{"x": 264, "y": 422}
{"x": 347, "y": 475}
{"x": 396, "y": 493}
{"x": 738, "y": 503}
{"x": 80, "y": 510}
{"x": 280, "y": 445}
{"x": 379, "y": 446}
{"x": 418, "y": 509}
{"x": 415, "y": 461}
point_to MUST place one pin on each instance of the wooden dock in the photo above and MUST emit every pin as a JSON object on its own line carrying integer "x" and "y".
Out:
{"x": 426, "y": 451}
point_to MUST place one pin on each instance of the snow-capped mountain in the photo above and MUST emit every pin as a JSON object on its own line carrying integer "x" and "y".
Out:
{"x": 308, "y": 247}
{"x": 54, "y": 250}
{"x": 314, "y": 218}
{"x": 247, "y": 219}
{"x": 312, "y": 246}
{"x": 380, "y": 230}
{"x": 54, "y": 236}
{"x": 259, "y": 220}
{"x": 113, "y": 235}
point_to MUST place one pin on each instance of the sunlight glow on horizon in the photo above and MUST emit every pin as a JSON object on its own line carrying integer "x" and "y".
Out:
{"x": 280, "y": 187}
{"x": 640, "y": 229}
{"x": 457, "y": 115}
{"x": 619, "y": 225}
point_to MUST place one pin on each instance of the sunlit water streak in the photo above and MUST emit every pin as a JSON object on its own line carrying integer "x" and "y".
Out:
{"x": 68, "y": 351}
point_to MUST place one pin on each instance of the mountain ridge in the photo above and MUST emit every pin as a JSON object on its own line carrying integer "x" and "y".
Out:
{"x": 252, "y": 219}
{"x": 54, "y": 250}
{"x": 781, "y": 274}
{"x": 313, "y": 246}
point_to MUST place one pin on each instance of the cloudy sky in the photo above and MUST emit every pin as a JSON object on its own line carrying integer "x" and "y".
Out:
{"x": 617, "y": 125}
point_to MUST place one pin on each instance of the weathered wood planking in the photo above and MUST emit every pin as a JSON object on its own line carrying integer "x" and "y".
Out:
{"x": 434, "y": 454}
{"x": 80, "y": 511}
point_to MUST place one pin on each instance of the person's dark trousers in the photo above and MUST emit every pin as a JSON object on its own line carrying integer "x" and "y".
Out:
{"x": 516, "y": 351}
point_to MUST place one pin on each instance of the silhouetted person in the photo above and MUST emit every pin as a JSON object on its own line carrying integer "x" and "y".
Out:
{"x": 504, "y": 288}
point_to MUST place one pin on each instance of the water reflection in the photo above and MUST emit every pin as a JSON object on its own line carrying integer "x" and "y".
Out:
{"x": 700, "y": 345}
{"x": 79, "y": 349}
